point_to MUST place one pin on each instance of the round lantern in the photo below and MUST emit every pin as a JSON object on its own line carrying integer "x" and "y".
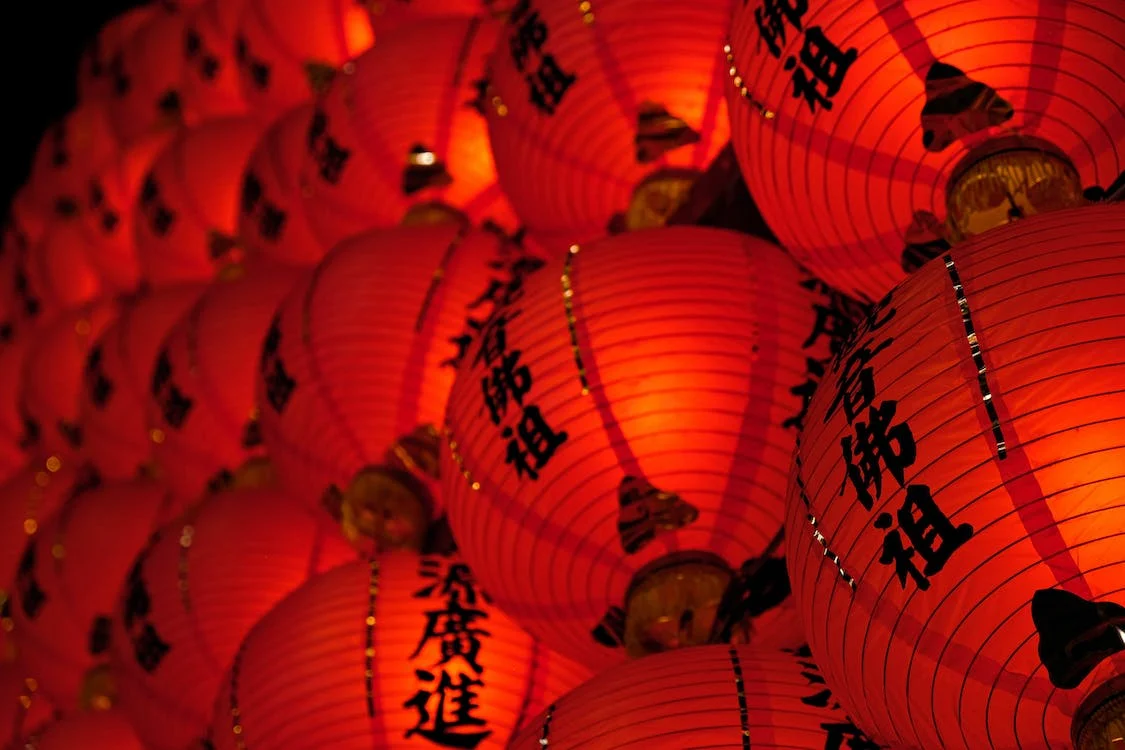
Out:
{"x": 404, "y": 651}
{"x": 289, "y": 49}
{"x": 368, "y": 373}
{"x": 14, "y": 442}
{"x": 201, "y": 387}
{"x": 24, "y": 228}
{"x": 271, "y": 220}
{"x": 94, "y": 730}
{"x": 25, "y": 222}
{"x": 52, "y": 378}
{"x": 113, "y": 404}
{"x": 68, "y": 579}
{"x": 69, "y": 154}
{"x": 24, "y": 712}
{"x": 54, "y": 276}
{"x": 196, "y": 591}
{"x": 210, "y": 77}
{"x": 619, "y": 441}
{"x": 187, "y": 207}
{"x": 603, "y": 114}
{"x": 874, "y": 134}
{"x": 399, "y": 137}
{"x": 954, "y": 526}
{"x": 386, "y": 15}
{"x": 97, "y": 66}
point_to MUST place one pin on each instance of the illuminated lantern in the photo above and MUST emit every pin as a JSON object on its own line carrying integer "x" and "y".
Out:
{"x": 201, "y": 387}
{"x": 619, "y": 441}
{"x": 23, "y": 710}
{"x": 108, "y": 218}
{"x": 289, "y": 49}
{"x": 955, "y": 513}
{"x": 69, "y": 576}
{"x": 54, "y": 276}
{"x": 196, "y": 591}
{"x": 399, "y": 137}
{"x": 13, "y": 435}
{"x": 99, "y": 63}
{"x": 69, "y": 154}
{"x": 389, "y": 14}
{"x": 873, "y": 134}
{"x": 603, "y": 114}
{"x": 271, "y": 220}
{"x": 24, "y": 228}
{"x": 93, "y": 730}
{"x": 52, "y": 376}
{"x": 210, "y": 78}
{"x": 187, "y": 207}
{"x": 306, "y": 677}
{"x": 367, "y": 372}
{"x": 113, "y": 404}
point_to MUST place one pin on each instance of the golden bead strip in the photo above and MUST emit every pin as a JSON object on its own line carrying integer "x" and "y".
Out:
{"x": 571, "y": 321}
{"x": 740, "y": 84}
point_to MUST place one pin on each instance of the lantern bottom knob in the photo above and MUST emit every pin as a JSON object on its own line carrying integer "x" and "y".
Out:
{"x": 388, "y": 507}
{"x": 433, "y": 213}
{"x": 1099, "y": 723}
{"x": 658, "y": 196}
{"x": 255, "y": 473}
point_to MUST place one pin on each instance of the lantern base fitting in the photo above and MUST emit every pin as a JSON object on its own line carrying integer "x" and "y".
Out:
{"x": 672, "y": 602}
{"x": 433, "y": 213}
{"x": 657, "y": 197}
{"x": 255, "y": 473}
{"x": 1099, "y": 723}
{"x": 1006, "y": 179}
{"x": 385, "y": 508}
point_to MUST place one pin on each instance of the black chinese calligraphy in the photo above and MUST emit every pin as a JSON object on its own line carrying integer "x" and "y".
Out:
{"x": 533, "y": 443}
{"x": 1075, "y": 635}
{"x": 929, "y": 530}
{"x": 97, "y": 204}
{"x": 820, "y": 696}
{"x": 256, "y": 70}
{"x": 877, "y": 444}
{"x": 644, "y": 511}
{"x": 548, "y": 82}
{"x": 100, "y": 629}
{"x": 279, "y": 383}
{"x": 99, "y": 387}
{"x": 156, "y": 213}
{"x": 31, "y": 595}
{"x": 70, "y": 432}
{"x": 330, "y": 157}
{"x": 198, "y": 57}
{"x": 957, "y": 106}
{"x": 175, "y": 406}
{"x": 149, "y": 649}
{"x": 269, "y": 219}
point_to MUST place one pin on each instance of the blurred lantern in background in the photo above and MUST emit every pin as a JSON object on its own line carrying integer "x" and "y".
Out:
{"x": 201, "y": 387}
{"x": 195, "y": 592}
{"x": 400, "y": 136}
{"x": 602, "y": 115}
{"x": 14, "y": 440}
{"x": 874, "y": 134}
{"x": 210, "y": 75}
{"x": 619, "y": 442}
{"x": 187, "y": 207}
{"x": 54, "y": 276}
{"x": 88, "y": 730}
{"x": 99, "y": 64}
{"x": 306, "y": 677}
{"x": 386, "y": 15}
{"x": 955, "y": 518}
{"x": 69, "y": 154}
{"x": 24, "y": 712}
{"x": 68, "y": 580}
{"x": 113, "y": 403}
{"x": 289, "y": 49}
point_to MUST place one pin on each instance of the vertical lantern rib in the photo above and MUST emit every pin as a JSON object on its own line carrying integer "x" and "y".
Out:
{"x": 740, "y": 688}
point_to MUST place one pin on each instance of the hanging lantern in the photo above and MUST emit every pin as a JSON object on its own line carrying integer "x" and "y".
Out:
{"x": 24, "y": 228}
{"x": 52, "y": 376}
{"x": 404, "y": 651}
{"x": 69, "y": 154}
{"x": 618, "y": 443}
{"x": 271, "y": 220}
{"x": 201, "y": 387}
{"x": 25, "y": 222}
{"x": 195, "y": 592}
{"x": 14, "y": 440}
{"x": 96, "y": 66}
{"x": 210, "y": 78}
{"x": 90, "y": 730}
{"x": 24, "y": 712}
{"x": 69, "y": 576}
{"x": 955, "y": 508}
{"x": 874, "y": 134}
{"x": 367, "y": 372}
{"x": 187, "y": 207}
{"x": 400, "y": 136}
{"x": 54, "y": 276}
{"x": 287, "y": 50}
{"x": 602, "y": 114}
{"x": 387, "y": 15}
{"x": 113, "y": 403}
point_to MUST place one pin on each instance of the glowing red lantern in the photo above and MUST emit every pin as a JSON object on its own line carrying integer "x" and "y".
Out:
{"x": 390, "y": 14}
{"x": 99, "y": 63}
{"x": 618, "y": 443}
{"x": 23, "y": 711}
{"x": 601, "y": 116}
{"x": 955, "y": 508}
{"x": 13, "y": 435}
{"x": 69, "y": 154}
{"x": 397, "y": 137}
{"x": 210, "y": 82}
{"x": 113, "y": 404}
{"x": 872, "y": 134}
{"x": 196, "y": 591}
{"x": 382, "y": 684}
{"x": 94, "y": 730}
{"x": 271, "y": 220}
{"x": 187, "y": 208}
{"x": 26, "y": 222}
{"x": 24, "y": 228}
{"x": 51, "y": 379}
{"x": 54, "y": 276}
{"x": 201, "y": 390}
{"x": 289, "y": 49}
{"x": 68, "y": 580}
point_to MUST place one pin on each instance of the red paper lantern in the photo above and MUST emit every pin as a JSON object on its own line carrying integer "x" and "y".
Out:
{"x": 68, "y": 579}
{"x": 196, "y": 591}
{"x": 23, "y": 711}
{"x": 69, "y": 154}
{"x": 13, "y": 434}
{"x": 25, "y": 222}
{"x": 210, "y": 78}
{"x": 619, "y": 442}
{"x": 96, "y": 730}
{"x": 201, "y": 390}
{"x": 389, "y": 14}
{"x": 954, "y": 526}
{"x": 601, "y": 116}
{"x": 397, "y": 136}
{"x": 113, "y": 403}
{"x": 99, "y": 64}
{"x": 52, "y": 378}
{"x": 271, "y": 221}
{"x": 288, "y": 49}
{"x": 24, "y": 228}
{"x": 55, "y": 276}
{"x": 356, "y": 659}
{"x": 873, "y": 133}
{"x": 187, "y": 208}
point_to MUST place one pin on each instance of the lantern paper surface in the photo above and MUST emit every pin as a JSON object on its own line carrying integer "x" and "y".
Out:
{"x": 69, "y": 154}
{"x": 100, "y": 65}
{"x": 210, "y": 74}
{"x": 874, "y": 103}
{"x": 586, "y": 101}
{"x": 401, "y": 652}
{"x": 390, "y": 15}
{"x": 644, "y": 406}
{"x": 23, "y": 710}
{"x": 69, "y": 576}
{"x": 56, "y": 275}
{"x": 961, "y": 463}
{"x": 14, "y": 440}
{"x": 97, "y": 730}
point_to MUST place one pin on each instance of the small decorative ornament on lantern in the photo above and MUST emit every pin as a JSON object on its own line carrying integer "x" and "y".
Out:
{"x": 905, "y": 127}
{"x": 954, "y": 523}
{"x": 210, "y": 76}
